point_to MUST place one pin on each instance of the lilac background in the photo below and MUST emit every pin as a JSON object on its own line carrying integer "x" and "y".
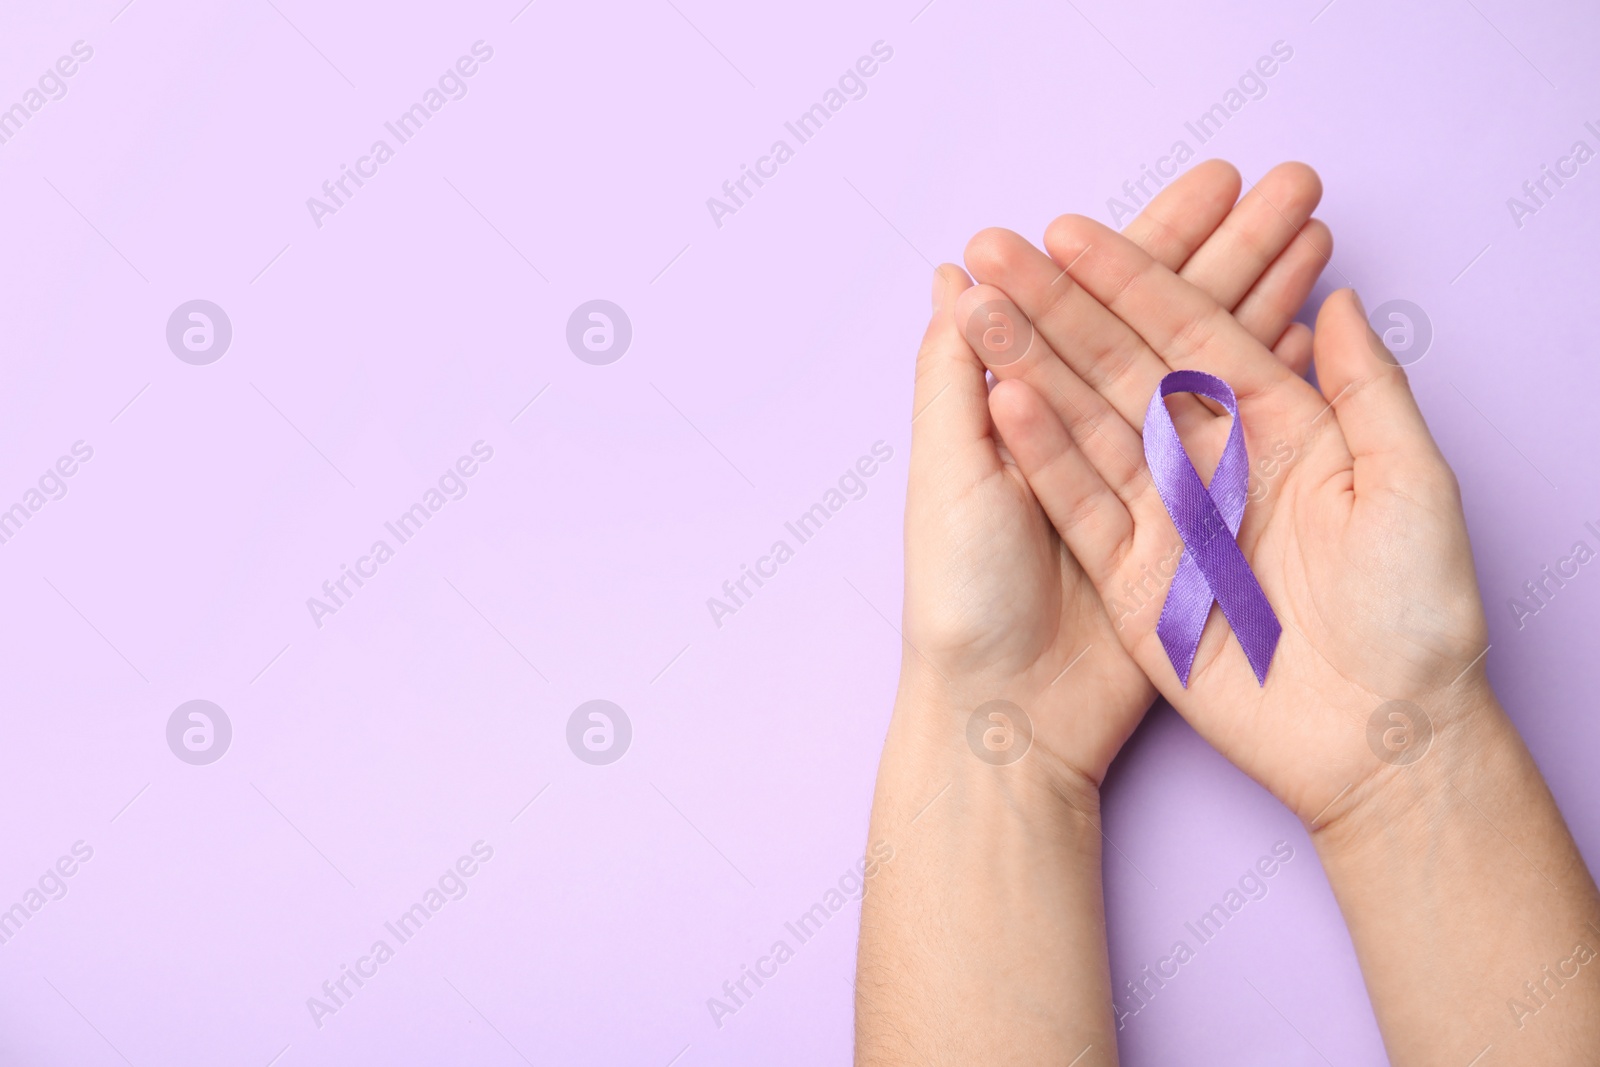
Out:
{"x": 768, "y": 354}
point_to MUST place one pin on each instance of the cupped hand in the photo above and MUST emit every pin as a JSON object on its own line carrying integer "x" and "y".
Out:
{"x": 996, "y": 608}
{"x": 1353, "y": 528}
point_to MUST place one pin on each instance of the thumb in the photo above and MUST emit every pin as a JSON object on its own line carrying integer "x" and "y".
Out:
{"x": 950, "y": 405}
{"x": 1370, "y": 396}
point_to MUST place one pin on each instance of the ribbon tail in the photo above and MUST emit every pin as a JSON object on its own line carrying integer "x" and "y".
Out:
{"x": 1246, "y": 608}
{"x": 1259, "y": 644}
{"x": 1183, "y": 616}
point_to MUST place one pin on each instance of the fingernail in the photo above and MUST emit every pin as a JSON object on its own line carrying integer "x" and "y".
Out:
{"x": 1359, "y": 305}
{"x": 938, "y": 287}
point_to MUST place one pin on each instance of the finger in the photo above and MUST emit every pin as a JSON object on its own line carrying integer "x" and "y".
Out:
{"x": 1091, "y": 519}
{"x": 1005, "y": 339}
{"x": 1185, "y": 213}
{"x": 950, "y": 407}
{"x": 1276, "y": 299}
{"x": 1255, "y": 232}
{"x": 1185, "y": 326}
{"x": 1100, "y": 348}
{"x": 1294, "y": 348}
{"x": 1370, "y": 397}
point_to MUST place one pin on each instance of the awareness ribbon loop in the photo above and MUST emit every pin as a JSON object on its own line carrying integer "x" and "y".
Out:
{"x": 1212, "y": 567}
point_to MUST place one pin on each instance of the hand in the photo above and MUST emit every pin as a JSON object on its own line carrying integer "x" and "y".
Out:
{"x": 983, "y": 927}
{"x": 1357, "y": 536}
{"x": 1456, "y": 873}
{"x": 995, "y": 607}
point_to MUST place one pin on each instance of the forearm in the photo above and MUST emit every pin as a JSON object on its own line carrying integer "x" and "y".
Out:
{"x": 1472, "y": 913}
{"x": 983, "y": 939}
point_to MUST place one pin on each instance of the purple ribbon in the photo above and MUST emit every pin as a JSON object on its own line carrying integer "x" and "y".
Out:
{"x": 1212, "y": 567}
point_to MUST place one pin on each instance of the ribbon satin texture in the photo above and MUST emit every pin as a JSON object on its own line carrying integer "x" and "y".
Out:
{"x": 1212, "y": 567}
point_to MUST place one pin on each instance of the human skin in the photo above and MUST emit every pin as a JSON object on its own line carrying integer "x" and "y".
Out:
{"x": 983, "y": 938}
{"x": 1451, "y": 863}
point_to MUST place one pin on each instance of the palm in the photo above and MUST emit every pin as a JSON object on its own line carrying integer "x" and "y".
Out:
{"x": 1343, "y": 574}
{"x": 996, "y": 607}
{"x": 993, "y": 597}
{"x": 1345, "y": 536}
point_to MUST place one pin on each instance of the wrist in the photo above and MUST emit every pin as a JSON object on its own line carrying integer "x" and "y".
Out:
{"x": 1461, "y": 886}
{"x": 977, "y": 732}
{"x": 984, "y": 921}
{"x": 1431, "y": 760}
